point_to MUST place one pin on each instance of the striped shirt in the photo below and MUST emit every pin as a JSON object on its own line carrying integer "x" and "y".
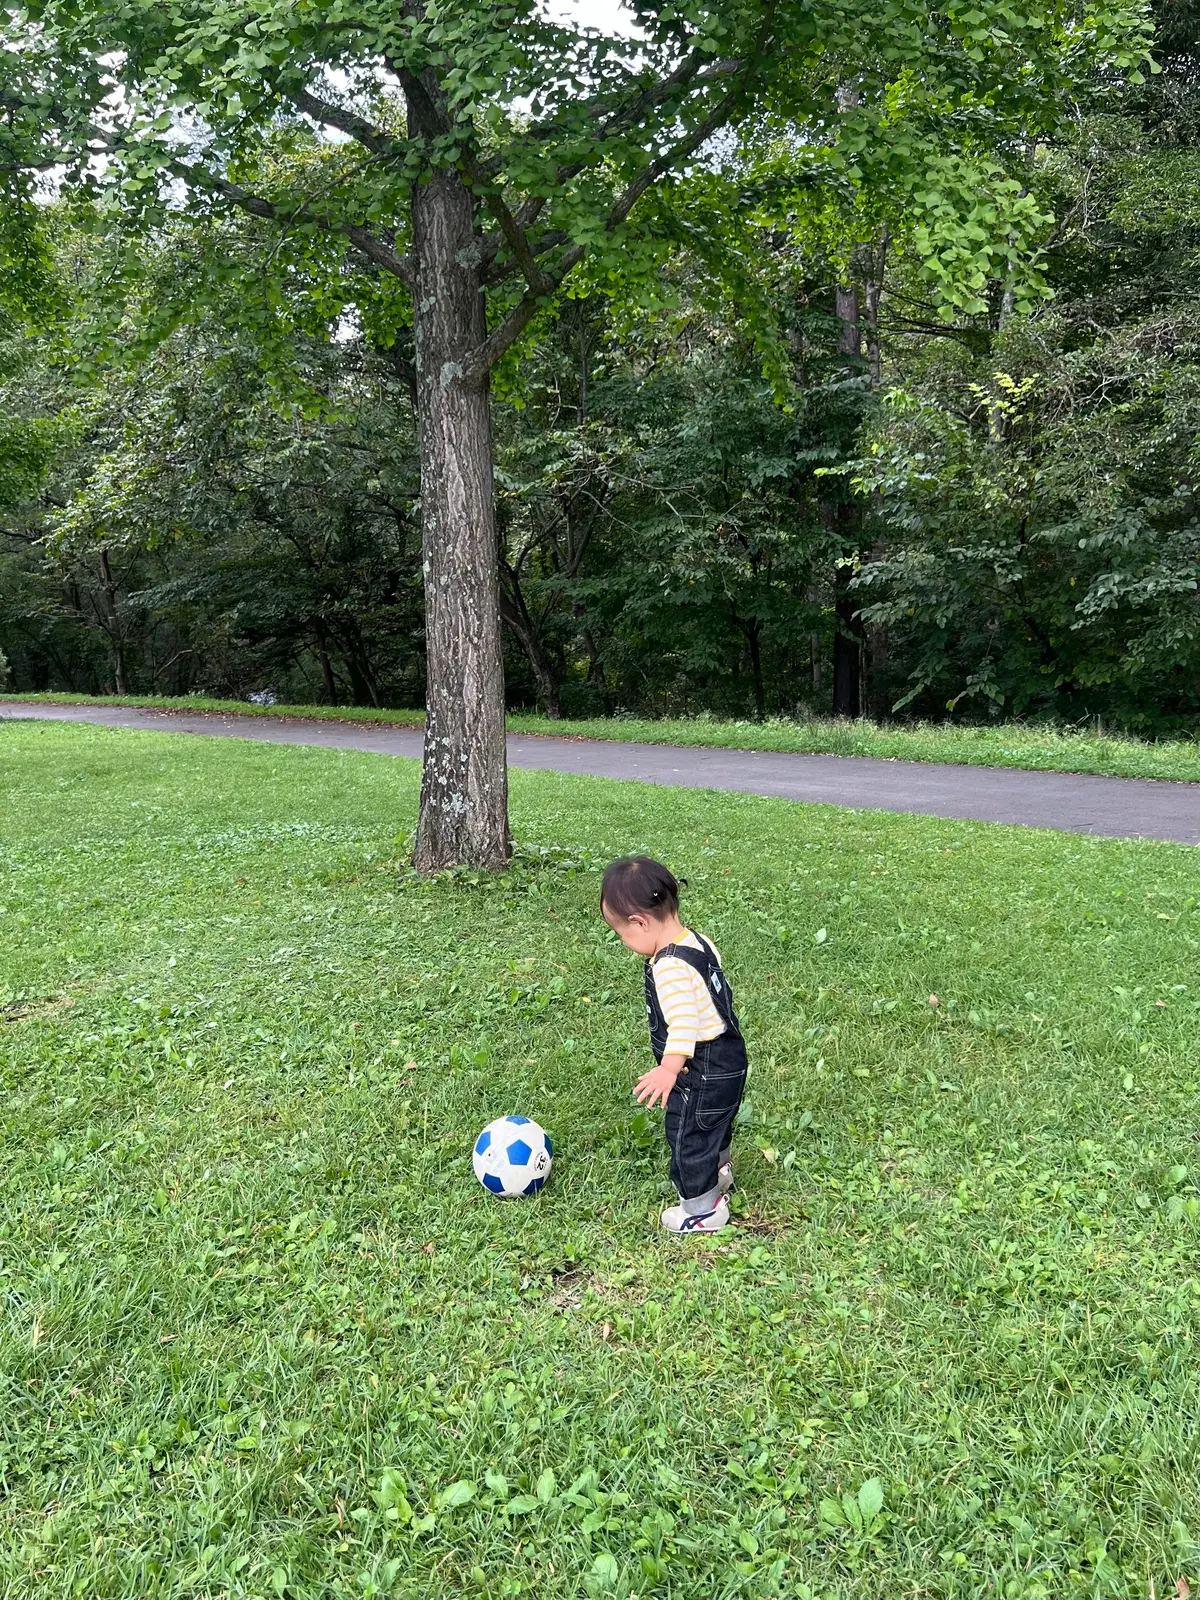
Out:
{"x": 685, "y": 1001}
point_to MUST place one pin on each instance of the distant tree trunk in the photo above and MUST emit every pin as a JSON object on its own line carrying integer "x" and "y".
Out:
{"x": 326, "y": 665}
{"x": 464, "y": 784}
{"x": 847, "y": 520}
{"x": 997, "y": 416}
{"x": 516, "y": 616}
{"x": 364, "y": 685}
{"x": 114, "y": 628}
{"x": 595, "y": 672}
{"x": 876, "y": 261}
{"x": 874, "y": 634}
{"x": 878, "y": 651}
{"x": 753, "y": 633}
{"x": 847, "y": 628}
{"x": 360, "y": 689}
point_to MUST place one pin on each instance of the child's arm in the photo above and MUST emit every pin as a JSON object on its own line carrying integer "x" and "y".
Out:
{"x": 653, "y": 1087}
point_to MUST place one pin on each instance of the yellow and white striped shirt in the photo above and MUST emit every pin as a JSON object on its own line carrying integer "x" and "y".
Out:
{"x": 685, "y": 1001}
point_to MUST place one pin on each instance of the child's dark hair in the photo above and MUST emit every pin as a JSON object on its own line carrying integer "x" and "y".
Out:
{"x": 639, "y": 884}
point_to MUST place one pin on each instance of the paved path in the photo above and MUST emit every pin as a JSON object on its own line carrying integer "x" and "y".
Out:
{"x": 1137, "y": 808}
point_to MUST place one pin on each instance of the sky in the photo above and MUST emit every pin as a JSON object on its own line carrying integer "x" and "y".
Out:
{"x": 610, "y": 15}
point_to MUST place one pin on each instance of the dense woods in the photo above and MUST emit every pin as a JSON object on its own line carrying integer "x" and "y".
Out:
{"x": 910, "y": 432}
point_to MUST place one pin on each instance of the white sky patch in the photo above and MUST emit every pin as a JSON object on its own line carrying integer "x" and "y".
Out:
{"x": 610, "y": 16}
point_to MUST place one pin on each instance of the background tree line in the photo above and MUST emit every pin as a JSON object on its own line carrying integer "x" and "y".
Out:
{"x": 817, "y": 485}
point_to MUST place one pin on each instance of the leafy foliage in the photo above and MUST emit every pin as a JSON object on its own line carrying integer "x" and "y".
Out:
{"x": 1042, "y": 549}
{"x": 679, "y": 417}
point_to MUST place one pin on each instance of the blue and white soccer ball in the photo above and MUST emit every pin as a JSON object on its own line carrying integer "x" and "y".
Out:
{"x": 512, "y": 1156}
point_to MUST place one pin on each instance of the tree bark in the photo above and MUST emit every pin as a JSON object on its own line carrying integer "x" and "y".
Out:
{"x": 847, "y": 642}
{"x": 115, "y": 631}
{"x": 876, "y": 255}
{"x": 753, "y": 633}
{"x": 515, "y": 614}
{"x": 595, "y": 673}
{"x": 847, "y": 521}
{"x": 464, "y": 784}
{"x": 326, "y": 665}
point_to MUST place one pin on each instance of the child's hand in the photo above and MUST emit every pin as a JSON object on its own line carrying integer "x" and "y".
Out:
{"x": 653, "y": 1087}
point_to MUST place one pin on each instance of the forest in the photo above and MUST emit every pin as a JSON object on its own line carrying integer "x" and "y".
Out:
{"x": 858, "y": 440}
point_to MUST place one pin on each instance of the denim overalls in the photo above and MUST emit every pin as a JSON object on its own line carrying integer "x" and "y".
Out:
{"x": 704, "y": 1102}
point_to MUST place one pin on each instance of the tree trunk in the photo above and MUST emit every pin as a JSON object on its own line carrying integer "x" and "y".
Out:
{"x": 595, "y": 672}
{"x": 753, "y": 632}
{"x": 847, "y": 520}
{"x": 363, "y": 685}
{"x": 360, "y": 689}
{"x": 116, "y": 637}
{"x": 464, "y": 784}
{"x": 878, "y": 652}
{"x": 847, "y": 631}
{"x": 326, "y": 665}
{"x": 997, "y": 416}
{"x": 874, "y": 651}
{"x": 515, "y": 614}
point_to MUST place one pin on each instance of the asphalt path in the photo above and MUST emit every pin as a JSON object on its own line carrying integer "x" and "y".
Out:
{"x": 1072, "y": 802}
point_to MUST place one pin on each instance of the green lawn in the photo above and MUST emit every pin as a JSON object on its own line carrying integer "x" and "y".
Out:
{"x": 265, "y": 1336}
{"x": 1013, "y": 744}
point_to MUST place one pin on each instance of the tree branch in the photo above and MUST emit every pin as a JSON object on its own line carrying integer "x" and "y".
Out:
{"x": 424, "y": 106}
{"x": 523, "y": 313}
{"x": 519, "y": 318}
{"x": 429, "y": 116}
{"x": 347, "y": 122}
{"x": 373, "y": 248}
{"x": 514, "y": 234}
{"x": 690, "y": 69}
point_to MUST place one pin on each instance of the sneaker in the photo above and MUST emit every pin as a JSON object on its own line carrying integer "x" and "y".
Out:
{"x": 725, "y": 1178}
{"x": 676, "y": 1220}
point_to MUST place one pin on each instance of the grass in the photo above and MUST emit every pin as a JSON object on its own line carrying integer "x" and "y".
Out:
{"x": 1039, "y": 747}
{"x": 265, "y": 1336}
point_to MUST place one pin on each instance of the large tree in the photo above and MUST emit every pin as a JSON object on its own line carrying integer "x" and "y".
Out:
{"x": 478, "y": 156}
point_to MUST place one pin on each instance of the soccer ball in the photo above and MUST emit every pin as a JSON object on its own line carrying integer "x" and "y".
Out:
{"x": 512, "y": 1157}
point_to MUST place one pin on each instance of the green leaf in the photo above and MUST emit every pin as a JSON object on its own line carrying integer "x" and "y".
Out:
{"x": 522, "y": 1504}
{"x": 546, "y": 1486}
{"x": 390, "y": 1496}
{"x": 604, "y": 1569}
{"x": 870, "y": 1499}
{"x": 458, "y": 1494}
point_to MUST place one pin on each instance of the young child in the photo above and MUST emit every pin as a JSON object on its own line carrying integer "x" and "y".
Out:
{"x": 694, "y": 1033}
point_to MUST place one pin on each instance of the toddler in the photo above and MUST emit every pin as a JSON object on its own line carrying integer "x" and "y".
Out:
{"x": 701, "y": 1055}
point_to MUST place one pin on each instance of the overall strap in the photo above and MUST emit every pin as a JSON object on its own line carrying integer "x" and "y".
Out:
{"x": 702, "y": 960}
{"x": 706, "y": 964}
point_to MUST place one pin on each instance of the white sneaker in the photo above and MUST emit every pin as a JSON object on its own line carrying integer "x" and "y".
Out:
{"x": 725, "y": 1177}
{"x": 676, "y": 1220}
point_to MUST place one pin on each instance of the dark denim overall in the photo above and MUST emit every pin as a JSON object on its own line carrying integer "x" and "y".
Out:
{"x": 704, "y": 1102}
